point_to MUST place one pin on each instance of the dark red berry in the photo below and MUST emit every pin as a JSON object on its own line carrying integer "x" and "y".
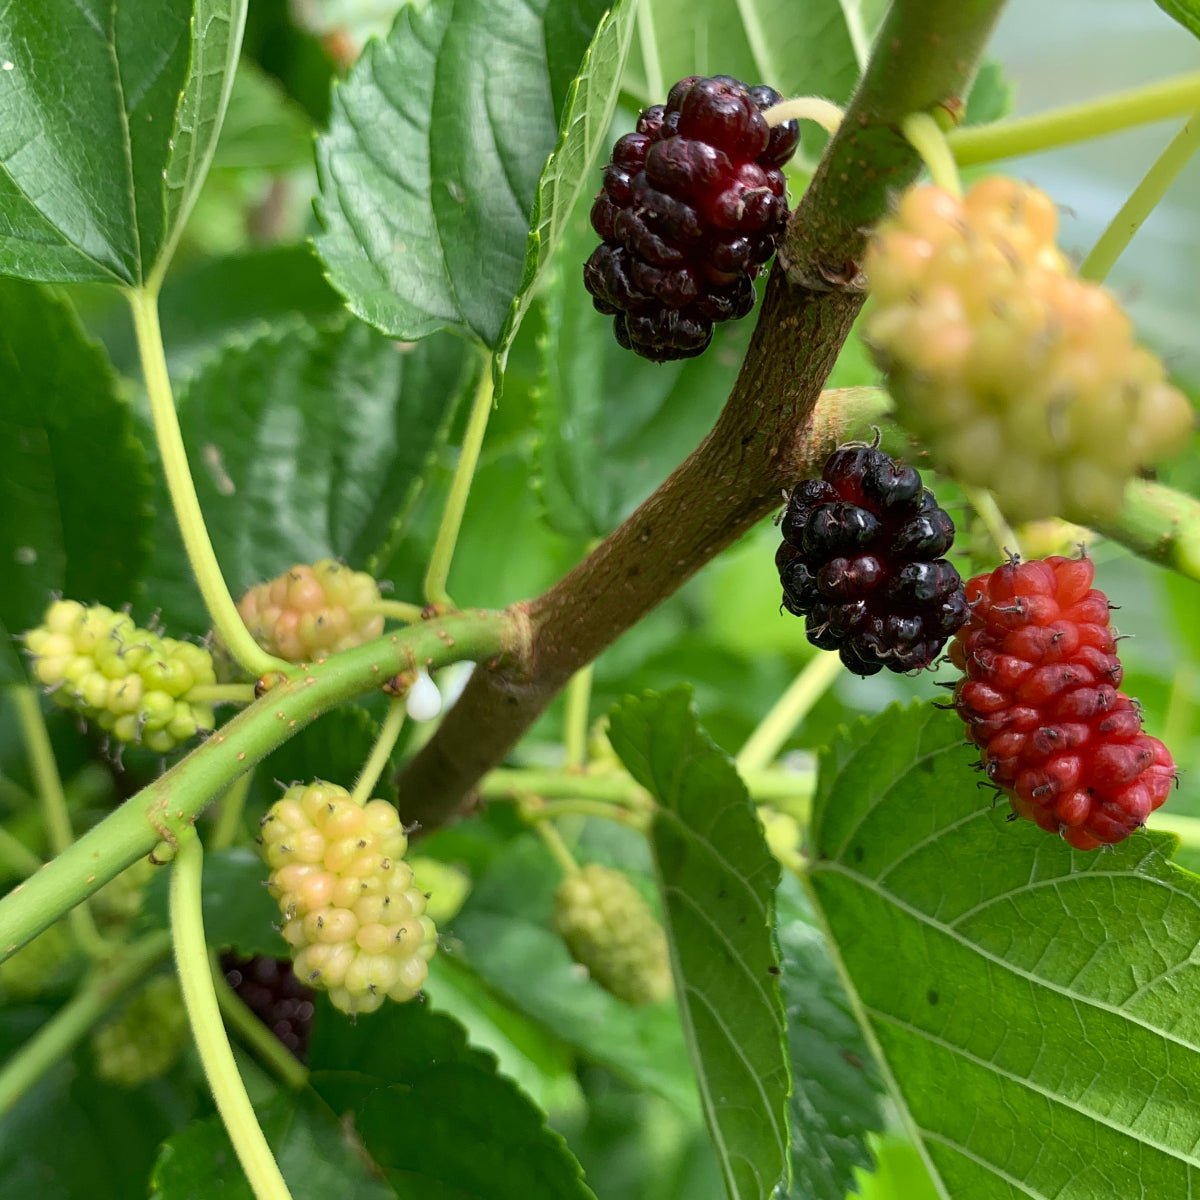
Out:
{"x": 1039, "y": 697}
{"x": 693, "y": 204}
{"x": 277, "y": 998}
{"x": 863, "y": 563}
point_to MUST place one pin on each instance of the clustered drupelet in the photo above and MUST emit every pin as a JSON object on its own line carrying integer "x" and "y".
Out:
{"x": 610, "y": 929}
{"x": 351, "y": 912}
{"x": 1040, "y": 698}
{"x": 694, "y": 202}
{"x": 312, "y": 611}
{"x": 1013, "y": 373}
{"x": 270, "y": 990}
{"x": 861, "y": 561}
{"x": 133, "y": 683}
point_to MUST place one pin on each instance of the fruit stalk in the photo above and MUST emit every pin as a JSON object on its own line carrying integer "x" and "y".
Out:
{"x": 926, "y": 54}
{"x": 1174, "y": 97}
{"x": 438, "y": 572}
{"x": 188, "y": 515}
{"x": 1141, "y": 202}
{"x": 57, "y": 819}
{"x": 216, "y": 1055}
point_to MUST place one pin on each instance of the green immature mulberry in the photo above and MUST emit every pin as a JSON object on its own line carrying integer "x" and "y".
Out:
{"x": 310, "y": 612}
{"x": 133, "y": 683}
{"x": 610, "y": 929}
{"x": 145, "y": 1038}
{"x": 38, "y": 966}
{"x": 351, "y": 912}
{"x": 1015, "y": 374}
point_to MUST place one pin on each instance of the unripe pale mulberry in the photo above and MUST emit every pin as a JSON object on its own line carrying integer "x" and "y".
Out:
{"x": 145, "y": 1038}
{"x": 1014, "y": 373}
{"x": 133, "y": 683}
{"x": 38, "y": 966}
{"x": 351, "y": 912}
{"x": 310, "y": 612}
{"x": 610, "y": 929}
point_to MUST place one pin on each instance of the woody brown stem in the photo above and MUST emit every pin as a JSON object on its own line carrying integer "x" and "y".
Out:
{"x": 925, "y": 56}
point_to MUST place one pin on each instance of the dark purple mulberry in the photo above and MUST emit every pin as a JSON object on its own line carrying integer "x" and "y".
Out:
{"x": 693, "y": 203}
{"x": 277, "y": 998}
{"x": 861, "y": 561}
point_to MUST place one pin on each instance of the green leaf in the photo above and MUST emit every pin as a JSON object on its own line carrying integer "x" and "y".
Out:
{"x": 305, "y": 443}
{"x": 430, "y": 169}
{"x": 1186, "y": 12}
{"x": 1036, "y": 1007}
{"x": 420, "y": 1094}
{"x": 717, "y": 881}
{"x": 536, "y": 1061}
{"x": 264, "y": 129}
{"x": 504, "y": 935}
{"x": 835, "y": 1089}
{"x": 238, "y": 912}
{"x": 900, "y": 1173}
{"x": 69, "y": 467}
{"x": 582, "y": 142}
{"x": 613, "y": 425}
{"x": 316, "y": 1158}
{"x": 110, "y": 115}
{"x": 817, "y": 48}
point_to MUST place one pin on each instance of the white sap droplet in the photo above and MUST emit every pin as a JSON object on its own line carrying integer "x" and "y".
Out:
{"x": 7, "y": 66}
{"x": 424, "y": 701}
{"x": 26, "y": 556}
{"x": 453, "y": 680}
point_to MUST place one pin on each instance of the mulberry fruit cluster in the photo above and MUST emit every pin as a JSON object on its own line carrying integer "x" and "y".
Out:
{"x": 1015, "y": 374}
{"x": 270, "y": 989}
{"x": 40, "y": 966}
{"x": 145, "y": 1038}
{"x": 693, "y": 204}
{"x": 610, "y": 929}
{"x": 1039, "y": 697}
{"x": 131, "y": 682}
{"x": 352, "y": 914}
{"x": 310, "y": 612}
{"x": 861, "y": 561}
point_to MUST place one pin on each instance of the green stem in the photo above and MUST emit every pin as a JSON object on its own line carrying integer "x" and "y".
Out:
{"x": 805, "y": 108}
{"x": 1175, "y": 97}
{"x": 221, "y": 609}
{"x": 1141, "y": 202}
{"x": 553, "y": 810}
{"x": 397, "y": 610}
{"x": 793, "y": 706}
{"x": 222, "y": 693}
{"x": 988, "y": 511}
{"x": 54, "y": 1041}
{"x": 1177, "y": 721}
{"x": 257, "y": 1037}
{"x": 460, "y": 488}
{"x": 554, "y": 841}
{"x": 928, "y": 139}
{"x": 216, "y": 1055}
{"x": 229, "y": 820}
{"x": 1186, "y": 829}
{"x": 54, "y": 808}
{"x": 16, "y": 856}
{"x": 385, "y": 743}
{"x": 1159, "y": 524}
{"x": 167, "y": 807}
{"x": 575, "y": 718}
{"x": 616, "y": 787}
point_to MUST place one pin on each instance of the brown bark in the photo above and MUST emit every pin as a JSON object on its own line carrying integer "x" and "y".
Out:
{"x": 925, "y": 56}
